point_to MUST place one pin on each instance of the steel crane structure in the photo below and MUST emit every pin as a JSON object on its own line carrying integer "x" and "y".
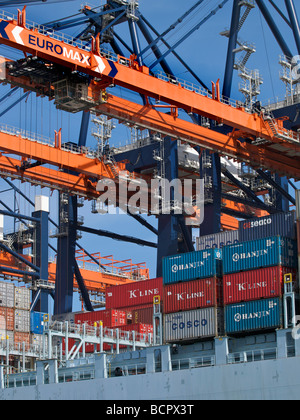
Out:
{"x": 81, "y": 73}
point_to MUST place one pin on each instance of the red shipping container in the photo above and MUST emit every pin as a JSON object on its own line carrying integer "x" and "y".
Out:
{"x": 194, "y": 294}
{"x": 134, "y": 294}
{"x": 140, "y": 314}
{"x": 109, "y": 318}
{"x": 255, "y": 284}
{"x": 7, "y": 319}
{"x": 138, "y": 328}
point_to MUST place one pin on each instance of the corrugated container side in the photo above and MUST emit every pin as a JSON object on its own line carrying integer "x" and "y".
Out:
{"x": 110, "y": 317}
{"x": 20, "y": 338}
{"x": 265, "y": 252}
{"x": 255, "y": 284}
{"x": 37, "y": 340}
{"x": 218, "y": 240}
{"x": 253, "y": 316}
{"x": 192, "y": 266}
{"x": 189, "y": 325}
{"x": 141, "y": 328}
{"x": 22, "y": 321}
{"x": 192, "y": 295}
{"x": 134, "y": 294}
{"x": 7, "y": 319}
{"x": 7, "y": 295}
{"x": 140, "y": 314}
{"x": 7, "y": 335}
{"x": 37, "y": 322}
{"x": 281, "y": 224}
{"x": 22, "y": 298}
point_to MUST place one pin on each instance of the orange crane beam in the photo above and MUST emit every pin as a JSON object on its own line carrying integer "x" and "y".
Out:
{"x": 63, "y": 159}
{"x": 276, "y": 154}
{"x": 124, "y": 72}
{"x": 48, "y": 177}
{"x": 95, "y": 281}
{"x": 284, "y": 161}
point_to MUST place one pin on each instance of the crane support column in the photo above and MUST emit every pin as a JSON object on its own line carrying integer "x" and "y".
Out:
{"x": 41, "y": 248}
{"x": 236, "y": 10}
{"x": 294, "y": 21}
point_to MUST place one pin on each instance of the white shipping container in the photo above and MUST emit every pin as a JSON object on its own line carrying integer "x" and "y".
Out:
{"x": 199, "y": 323}
{"x": 6, "y": 335}
{"x": 7, "y": 295}
{"x": 218, "y": 240}
{"x": 22, "y": 298}
{"x": 22, "y": 320}
{"x": 37, "y": 340}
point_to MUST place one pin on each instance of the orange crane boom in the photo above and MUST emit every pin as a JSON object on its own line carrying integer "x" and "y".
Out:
{"x": 56, "y": 48}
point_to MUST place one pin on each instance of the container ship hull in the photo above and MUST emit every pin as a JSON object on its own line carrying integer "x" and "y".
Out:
{"x": 268, "y": 380}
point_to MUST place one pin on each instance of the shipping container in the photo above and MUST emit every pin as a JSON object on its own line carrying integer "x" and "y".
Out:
{"x": 20, "y": 338}
{"x": 7, "y": 319}
{"x": 22, "y": 298}
{"x": 265, "y": 252}
{"x": 280, "y": 224}
{"x": 218, "y": 240}
{"x": 253, "y": 316}
{"x": 192, "y": 295}
{"x": 6, "y": 335}
{"x": 7, "y": 295}
{"x": 139, "y": 314}
{"x": 22, "y": 321}
{"x": 109, "y": 318}
{"x": 256, "y": 284}
{"x": 37, "y": 322}
{"x": 37, "y": 341}
{"x": 192, "y": 325}
{"x": 140, "y": 328}
{"x": 134, "y": 294}
{"x": 192, "y": 266}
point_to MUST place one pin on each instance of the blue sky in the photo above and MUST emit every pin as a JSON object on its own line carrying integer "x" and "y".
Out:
{"x": 205, "y": 52}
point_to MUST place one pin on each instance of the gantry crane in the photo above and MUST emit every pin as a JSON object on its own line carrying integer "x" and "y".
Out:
{"x": 78, "y": 75}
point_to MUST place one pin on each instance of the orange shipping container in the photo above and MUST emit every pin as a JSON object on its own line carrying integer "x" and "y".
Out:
{"x": 7, "y": 319}
{"x": 20, "y": 338}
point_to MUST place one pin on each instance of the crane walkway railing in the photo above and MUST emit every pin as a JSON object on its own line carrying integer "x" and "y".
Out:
{"x": 82, "y": 334}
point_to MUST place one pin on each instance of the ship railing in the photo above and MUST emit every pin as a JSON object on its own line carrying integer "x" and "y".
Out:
{"x": 19, "y": 380}
{"x": 193, "y": 363}
{"x": 128, "y": 370}
{"x": 252, "y": 356}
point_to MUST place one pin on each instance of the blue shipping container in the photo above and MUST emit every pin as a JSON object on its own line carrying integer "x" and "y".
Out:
{"x": 192, "y": 266}
{"x": 267, "y": 252}
{"x": 255, "y": 315}
{"x": 37, "y": 322}
{"x": 281, "y": 224}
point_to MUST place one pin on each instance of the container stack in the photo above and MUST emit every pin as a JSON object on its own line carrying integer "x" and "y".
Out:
{"x": 192, "y": 295}
{"x": 7, "y": 312}
{"x": 239, "y": 274}
{"x": 14, "y": 314}
{"x": 254, "y": 272}
{"x": 129, "y": 307}
{"x": 136, "y": 298}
